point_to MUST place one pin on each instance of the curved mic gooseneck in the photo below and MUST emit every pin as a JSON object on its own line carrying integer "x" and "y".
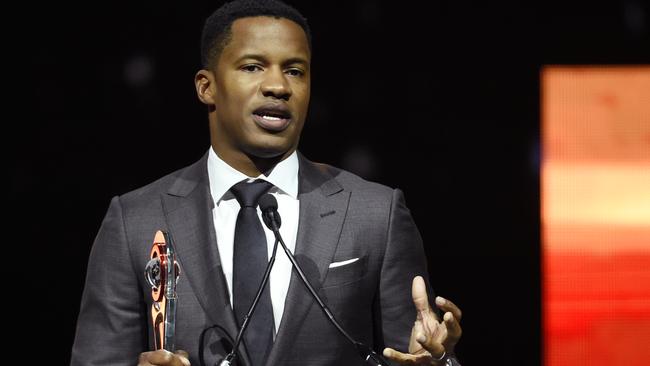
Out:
{"x": 227, "y": 361}
{"x": 269, "y": 206}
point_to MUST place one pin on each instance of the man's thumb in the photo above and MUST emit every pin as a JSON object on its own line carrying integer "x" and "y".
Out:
{"x": 185, "y": 357}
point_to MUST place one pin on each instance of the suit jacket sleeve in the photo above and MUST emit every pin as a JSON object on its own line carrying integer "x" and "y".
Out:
{"x": 404, "y": 258}
{"x": 111, "y": 328}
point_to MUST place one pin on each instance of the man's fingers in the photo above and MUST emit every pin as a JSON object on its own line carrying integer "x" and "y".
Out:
{"x": 406, "y": 358}
{"x": 454, "y": 330}
{"x": 414, "y": 345}
{"x": 143, "y": 359}
{"x": 402, "y": 358}
{"x": 419, "y": 293}
{"x": 163, "y": 358}
{"x": 159, "y": 357}
{"x": 447, "y": 305}
{"x": 184, "y": 356}
{"x": 435, "y": 348}
{"x": 180, "y": 352}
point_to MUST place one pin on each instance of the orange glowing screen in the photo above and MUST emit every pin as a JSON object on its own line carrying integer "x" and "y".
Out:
{"x": 596, "y": 215}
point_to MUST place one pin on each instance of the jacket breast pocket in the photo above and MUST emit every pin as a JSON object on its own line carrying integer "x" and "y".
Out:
{"x": 353, "y": 271}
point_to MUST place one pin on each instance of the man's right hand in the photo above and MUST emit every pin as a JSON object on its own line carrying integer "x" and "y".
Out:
{"x": 431, "y": 338}
{"x": 162, "y": 357}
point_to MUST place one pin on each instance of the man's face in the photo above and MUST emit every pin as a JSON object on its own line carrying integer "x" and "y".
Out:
{"x": 261, "y": 89}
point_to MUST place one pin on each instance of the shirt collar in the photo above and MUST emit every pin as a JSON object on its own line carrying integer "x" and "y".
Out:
{"x": 222, "y": 176}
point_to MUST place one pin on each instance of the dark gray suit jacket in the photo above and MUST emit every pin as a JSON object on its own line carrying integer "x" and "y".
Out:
{"x": 341, "y": 216}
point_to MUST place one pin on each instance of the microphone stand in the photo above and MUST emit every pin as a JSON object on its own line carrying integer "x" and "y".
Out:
{"x": 271, "y": 217}
{"x": 227, "y": 361}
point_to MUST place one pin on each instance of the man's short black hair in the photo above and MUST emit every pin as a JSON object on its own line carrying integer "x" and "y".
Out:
{"x": 217, "y": 29}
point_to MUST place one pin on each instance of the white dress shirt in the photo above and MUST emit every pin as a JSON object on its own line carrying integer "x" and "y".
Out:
{"x": 284, "y": 177}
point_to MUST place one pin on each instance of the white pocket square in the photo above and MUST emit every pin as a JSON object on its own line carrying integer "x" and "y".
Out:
{"x": 343, "y": 263}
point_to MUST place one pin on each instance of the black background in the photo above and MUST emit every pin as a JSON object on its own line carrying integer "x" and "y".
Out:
{"x": 440, "y": 99}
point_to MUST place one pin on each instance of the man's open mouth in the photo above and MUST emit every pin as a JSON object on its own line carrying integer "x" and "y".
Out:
{"x": 273, "y": 117}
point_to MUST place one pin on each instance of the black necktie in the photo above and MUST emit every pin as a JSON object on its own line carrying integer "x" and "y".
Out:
{"x": 249, "y": 262}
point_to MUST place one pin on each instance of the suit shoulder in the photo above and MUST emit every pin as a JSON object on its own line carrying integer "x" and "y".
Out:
{"x": 354, "y": 183}
{"x": 149, "y": 195}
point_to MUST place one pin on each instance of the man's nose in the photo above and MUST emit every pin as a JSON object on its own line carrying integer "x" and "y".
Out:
{"x": 276, "y": 85}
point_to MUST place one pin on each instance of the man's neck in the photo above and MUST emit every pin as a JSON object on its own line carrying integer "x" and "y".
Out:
{"x": 251, "y": 166}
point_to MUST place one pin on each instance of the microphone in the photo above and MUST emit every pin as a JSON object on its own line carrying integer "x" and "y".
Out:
{"x": 269, "y": 206}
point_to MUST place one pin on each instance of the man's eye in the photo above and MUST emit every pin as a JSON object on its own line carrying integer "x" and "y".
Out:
{"x": 295, "y": 72}
{"x": 251, "y": 68}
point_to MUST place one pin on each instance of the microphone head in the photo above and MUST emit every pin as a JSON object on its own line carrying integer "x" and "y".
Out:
{"x": 269, "y": 206}
{"x": 268, "y": 202}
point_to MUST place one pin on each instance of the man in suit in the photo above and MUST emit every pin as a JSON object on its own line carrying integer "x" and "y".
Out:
{"x": 355, "y": 240}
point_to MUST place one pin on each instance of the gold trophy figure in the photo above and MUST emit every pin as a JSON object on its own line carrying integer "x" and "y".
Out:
{"x": 162, "y": 273}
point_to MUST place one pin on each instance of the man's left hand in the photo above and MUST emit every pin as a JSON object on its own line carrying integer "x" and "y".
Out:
{"x": 430, "y": 339}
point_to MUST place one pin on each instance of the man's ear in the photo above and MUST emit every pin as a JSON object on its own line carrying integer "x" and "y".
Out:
{"x": 205, "y": 86}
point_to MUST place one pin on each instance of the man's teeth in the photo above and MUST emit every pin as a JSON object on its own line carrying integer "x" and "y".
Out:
{"x": 272, "y": 118}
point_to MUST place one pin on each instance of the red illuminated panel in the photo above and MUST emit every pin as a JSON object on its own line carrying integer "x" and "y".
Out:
{"x": 596, "y": 215}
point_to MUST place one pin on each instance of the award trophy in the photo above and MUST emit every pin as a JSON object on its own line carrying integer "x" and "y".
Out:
{"x": 162, "y": 273}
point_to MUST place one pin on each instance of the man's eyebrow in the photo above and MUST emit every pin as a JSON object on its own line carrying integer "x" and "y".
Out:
{"x": 254, "y": 56}
{"x": 296, "y": 60}
{"x": 251, "y": 56}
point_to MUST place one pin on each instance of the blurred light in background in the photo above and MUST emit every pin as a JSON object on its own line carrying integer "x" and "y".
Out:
{"x": 596, "y": 215}
{"x": 138, "y": 71}
{"x": 360, "y": 160}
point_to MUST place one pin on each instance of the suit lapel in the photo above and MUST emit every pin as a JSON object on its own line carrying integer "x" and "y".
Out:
{"x": 188, "y": 209}
{"x": 323, "y": 206}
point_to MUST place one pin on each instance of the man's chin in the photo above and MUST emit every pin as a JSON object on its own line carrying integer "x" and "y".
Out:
{"x": 270, "y": 152}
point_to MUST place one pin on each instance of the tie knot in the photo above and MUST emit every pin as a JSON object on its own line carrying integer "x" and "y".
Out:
{"x": 247, "y": 194}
